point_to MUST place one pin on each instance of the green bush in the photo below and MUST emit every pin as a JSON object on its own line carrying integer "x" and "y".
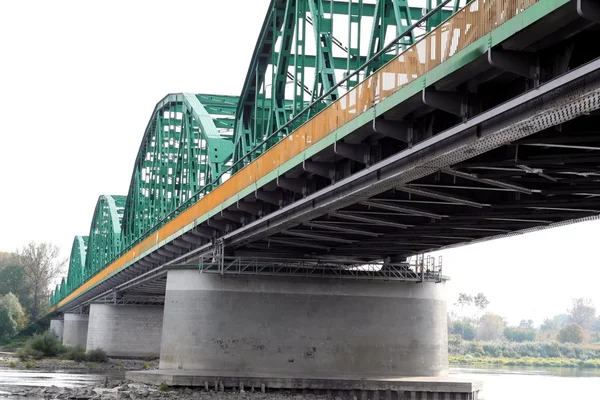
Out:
{"x": 40, "y": 346}
{"x": 526, "y": 361}
{"x": 521, "y": 350}
{"x": 97, "y": 355}
{"x": 46, "y": 343}
{"x": 571, "y": 334}
{"x": 26, "y": 353}
{"x": 163, "y": 387}
{"x": 76, "y": 353}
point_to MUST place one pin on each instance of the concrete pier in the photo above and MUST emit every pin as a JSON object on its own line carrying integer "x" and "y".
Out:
{"x": 57, "y": 327}
{"x": 75, "y": 330}
{"x": 125, "y": 330}
{"x": 299, "y": 326}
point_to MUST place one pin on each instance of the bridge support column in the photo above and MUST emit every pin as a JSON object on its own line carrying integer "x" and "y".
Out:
{"x": 75, "y": 330}
{"x": 303, "y": 326}
{"x": 125, "y": 330}
{"x": 57, "y": 327}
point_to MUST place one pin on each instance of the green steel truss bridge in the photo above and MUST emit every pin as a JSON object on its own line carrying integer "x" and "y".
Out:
{"x": 366, "y": 132}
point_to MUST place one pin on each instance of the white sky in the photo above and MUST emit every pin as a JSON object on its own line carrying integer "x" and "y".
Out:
{"x": 79, "y": 80}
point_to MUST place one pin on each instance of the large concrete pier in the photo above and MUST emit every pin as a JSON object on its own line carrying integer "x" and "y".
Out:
{"x": 125, "y": 330}
{"x": 303, "y": 326}
{"x": 75, "y": 329}
{"x": 57, "y": 327}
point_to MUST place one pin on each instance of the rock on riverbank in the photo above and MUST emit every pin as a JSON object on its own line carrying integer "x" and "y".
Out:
{"x": 126, "y": 390}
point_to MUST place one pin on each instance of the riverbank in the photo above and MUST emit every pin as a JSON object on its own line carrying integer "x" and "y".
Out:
{"x": 458, "y": 360}
{"x": 9, "y": 360}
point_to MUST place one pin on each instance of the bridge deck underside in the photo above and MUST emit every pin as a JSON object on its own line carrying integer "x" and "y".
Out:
{"x": 538, "y": 181}
{"x": 521, "y": 159}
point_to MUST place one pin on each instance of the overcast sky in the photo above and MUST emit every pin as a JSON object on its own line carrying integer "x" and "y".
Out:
{"x": 79, "y": 80}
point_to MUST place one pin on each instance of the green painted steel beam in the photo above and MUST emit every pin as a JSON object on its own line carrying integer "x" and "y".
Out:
{"x": 368, "y": 10}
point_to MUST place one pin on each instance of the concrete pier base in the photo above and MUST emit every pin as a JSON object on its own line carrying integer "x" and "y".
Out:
{"x": 57, "y": 327}
{"x": 344, "y": 387}
{"x": 298, "y": 326}
{"x": 75, "y": 330}
{"x": 125, "y": 330}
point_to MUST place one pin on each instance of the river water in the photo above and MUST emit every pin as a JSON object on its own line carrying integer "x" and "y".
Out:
{"x": 519, "y": 383}
{"x": 515, "y": 383}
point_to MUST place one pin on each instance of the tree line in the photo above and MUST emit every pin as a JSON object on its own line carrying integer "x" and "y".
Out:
{"x": 578, "y": 325}
{"x": 25, "y": 279}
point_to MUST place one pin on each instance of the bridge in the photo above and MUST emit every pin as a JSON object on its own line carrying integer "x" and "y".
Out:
{"x": 283, "y": 230}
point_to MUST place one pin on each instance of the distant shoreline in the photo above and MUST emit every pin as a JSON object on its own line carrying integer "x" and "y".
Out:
{"x": 456, "y": 360}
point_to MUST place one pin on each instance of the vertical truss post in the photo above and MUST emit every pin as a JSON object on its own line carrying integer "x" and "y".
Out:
{"x": 354, "y": 35}
{"x": 324, "y": 69}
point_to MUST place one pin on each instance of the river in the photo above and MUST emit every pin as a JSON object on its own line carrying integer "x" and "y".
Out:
{"x": 515, "y": 383}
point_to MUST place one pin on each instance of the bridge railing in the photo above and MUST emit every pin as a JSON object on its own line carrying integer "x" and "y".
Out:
{"x": 471, "y": 23}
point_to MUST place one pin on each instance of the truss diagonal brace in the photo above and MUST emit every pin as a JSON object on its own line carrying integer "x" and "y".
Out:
{"x": 335, "y": 228}
{"x": 374, "y": 221}
{"x": 450, "y": 102}
{"x": 310, "y": 235}
{"x": 491, "y": 182}
{"x": 399, "y": 130}
{"x": 521, "y": 63}
{"x": 401, "y": 209}
{"x": 440, "y": 196}
{"x": 356, "y": 152}
{"x": 589, "y": 9}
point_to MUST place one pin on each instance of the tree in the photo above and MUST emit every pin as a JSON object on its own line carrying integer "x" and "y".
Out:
{"x": 555, "y": 324}
{"x": 12, "y": 317}
{"x": 464, "y": 300}
{"x": 7, "y": 259}
{"x": 12, "y": 280}
{"x": 491, "y": 327}
{"x": 526, "y": 324}
{"x": 572, "y": 333}
{"x": 583, "y": 312}
{"x": 41, "y": 266}
{"x": 7, "y": 326}
{"x": 481, "y": 302}
{"x": 464, "y": 329}
{"x": 519, "y": 334}
{"x": 11, "y": 304}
